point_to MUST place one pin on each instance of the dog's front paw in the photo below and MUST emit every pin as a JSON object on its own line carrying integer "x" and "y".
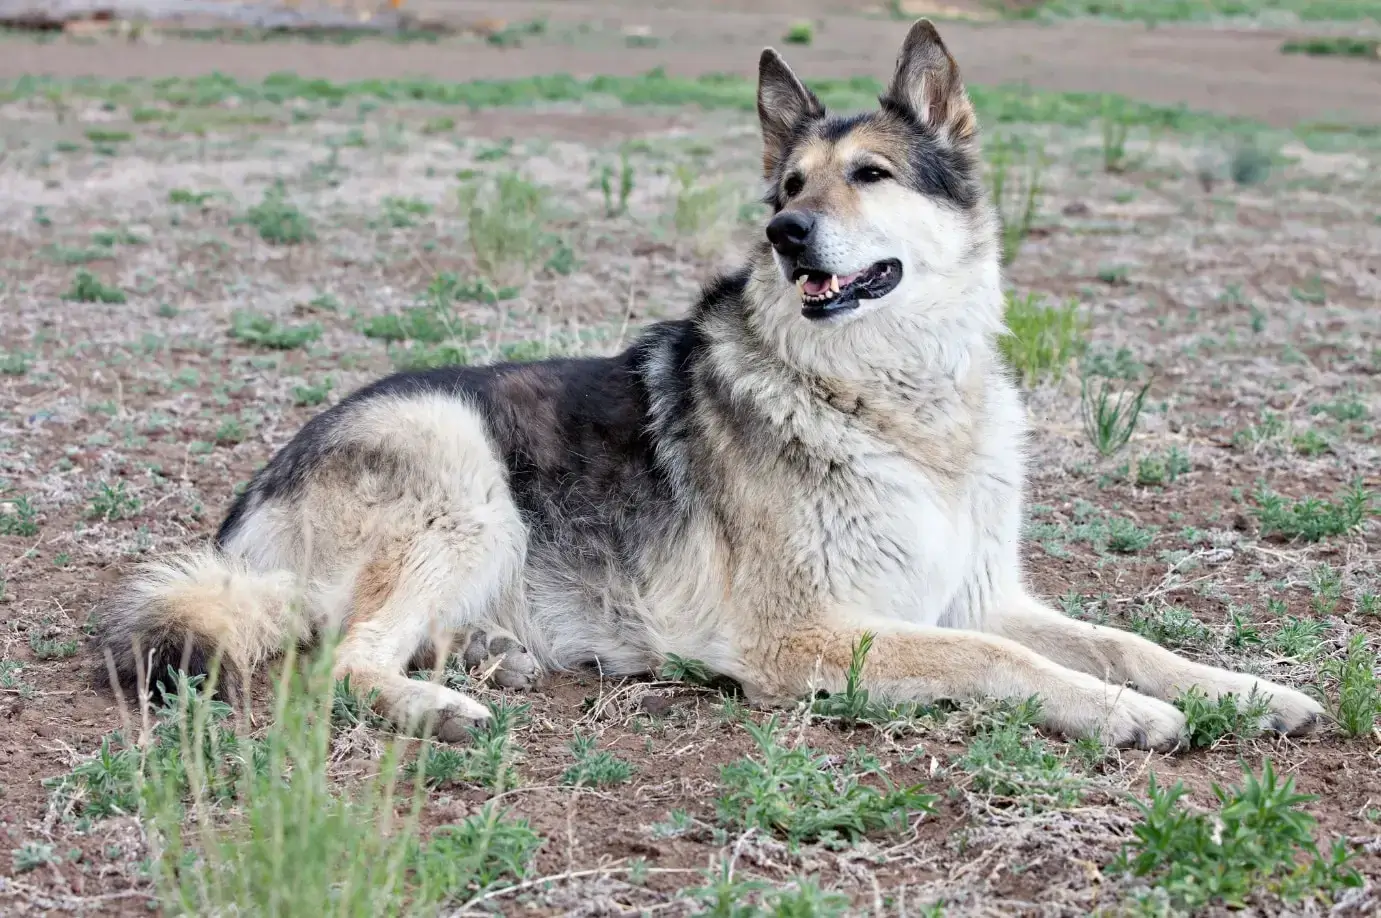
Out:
{"x": 1141, "y": 722}
{"x": 1290, "y": 712}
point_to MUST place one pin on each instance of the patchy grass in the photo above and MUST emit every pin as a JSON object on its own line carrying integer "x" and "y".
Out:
{"x": 595, "y": 769}
{"x": 507, "y": 224}
{"x": 1333, "y": 46}
{"x": 1202, "y": 10}
{"x": 1358, "y": 704}
{"x": 1008, "y": 762}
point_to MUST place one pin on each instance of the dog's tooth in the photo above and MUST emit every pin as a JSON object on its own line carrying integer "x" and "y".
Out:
{"x": 834, "y": 283}
{"x": 801, "y": 283}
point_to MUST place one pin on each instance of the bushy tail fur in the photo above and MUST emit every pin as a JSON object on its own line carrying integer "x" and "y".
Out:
{"x": 190, "y": 610}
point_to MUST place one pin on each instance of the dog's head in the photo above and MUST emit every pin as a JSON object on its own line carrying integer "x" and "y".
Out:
{"x": 878, "y": 212}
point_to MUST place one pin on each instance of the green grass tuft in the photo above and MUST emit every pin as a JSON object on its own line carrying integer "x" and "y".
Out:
{"x": 1109, "y": 416}
{"x": 88, "y": 288}
{"x": 507, "y": 224}
{"x": 278, "y": 220}
{"x": 1359, "y": 688}
{"x": 1015, "y": 172}
{"x": 855, "y": 704}
{"x": 112, "y": 502}
{"x": 1041, "y": 340}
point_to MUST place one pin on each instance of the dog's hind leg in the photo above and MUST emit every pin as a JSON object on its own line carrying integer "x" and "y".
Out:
{"x": 912, "y": 663}
{"x": 1120, "y": 656}
{"x": 415, "y": 593}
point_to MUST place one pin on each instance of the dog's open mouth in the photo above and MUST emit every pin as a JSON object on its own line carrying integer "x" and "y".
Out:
{"x": 824, "y": 295}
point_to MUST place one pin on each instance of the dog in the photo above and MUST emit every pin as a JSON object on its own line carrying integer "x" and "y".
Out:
{"x": 829, "y": 446}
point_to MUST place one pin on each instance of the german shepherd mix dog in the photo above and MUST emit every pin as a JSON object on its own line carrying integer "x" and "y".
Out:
{"x": 828, "y": 446}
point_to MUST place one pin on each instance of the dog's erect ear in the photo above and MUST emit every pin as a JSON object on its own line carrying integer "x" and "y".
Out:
{"x": 927, "y": 82}
{"x": 783, "y": 104}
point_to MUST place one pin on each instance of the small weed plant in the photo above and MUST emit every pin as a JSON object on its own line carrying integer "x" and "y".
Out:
{"x": 1009, "y": 763}
{"x": 855, "y": 705}
{"x": 262, "y": 331}
{"x": 800, "y": 33}
{"x": 698, "y": 207}
{"x": 1174, "y": 627}
{"x": 803, "y": 795}
{"x": 1212, "y": 720}
{"x": 490, "y": 759}
{"x": 88, "y": 288}
{"x": 18, "y": 516}
{"x": 616, "y": 206}
{"x": 1109, "y": 415}
{"x": 1015, "y": 173}
{"x": 277, "y": 220}
{"x": 507, "y": 224}
{"x": 727, "y": 895}
{"x": 112, "y": 502}
{"x": 594, "y": 769}
{"x": 1259, "y": 841}
{"x": 685, "y": 669}
{"x": 1312, "y": 519}
{"x": 1162, "y": 469}
{"x": 1115, "y": 129}
{"x": 1358, "y": 704}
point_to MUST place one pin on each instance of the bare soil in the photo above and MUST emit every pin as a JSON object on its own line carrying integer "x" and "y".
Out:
{"x": 1255, "y": 308}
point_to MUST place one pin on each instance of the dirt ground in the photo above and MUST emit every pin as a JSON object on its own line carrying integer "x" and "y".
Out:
{"x": 1253, "y": 306}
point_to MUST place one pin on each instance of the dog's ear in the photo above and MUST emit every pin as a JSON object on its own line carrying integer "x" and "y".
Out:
{"x": 927, "y": 83}
{"x": 783, "y": 104}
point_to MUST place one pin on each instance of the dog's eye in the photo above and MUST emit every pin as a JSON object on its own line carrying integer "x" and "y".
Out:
{"x": 870, "y": 174}
{"x": 792, "y": 186}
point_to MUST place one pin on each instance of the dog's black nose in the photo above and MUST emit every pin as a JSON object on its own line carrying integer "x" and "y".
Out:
{"x": 789, "y": 231}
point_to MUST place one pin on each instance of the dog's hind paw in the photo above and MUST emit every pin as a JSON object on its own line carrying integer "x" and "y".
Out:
{"x": 494, "y": 651}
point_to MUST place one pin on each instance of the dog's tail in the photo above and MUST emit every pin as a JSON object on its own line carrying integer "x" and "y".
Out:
{"x": 190, "y": 612}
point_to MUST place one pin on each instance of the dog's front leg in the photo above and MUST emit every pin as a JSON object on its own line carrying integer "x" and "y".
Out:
{"x": 1120, "y": 656}
{"x": 927, "y": 664}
